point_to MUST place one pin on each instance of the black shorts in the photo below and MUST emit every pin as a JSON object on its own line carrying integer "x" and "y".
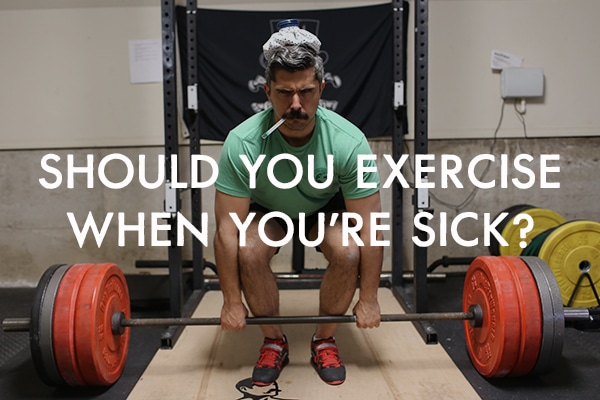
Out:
{"x": 335, "y": 204}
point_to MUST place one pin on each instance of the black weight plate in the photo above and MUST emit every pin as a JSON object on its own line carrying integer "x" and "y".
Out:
{"x": 40, "y": 331}
{"x": 553, "y": 328}
{"x": 512, "y": 211}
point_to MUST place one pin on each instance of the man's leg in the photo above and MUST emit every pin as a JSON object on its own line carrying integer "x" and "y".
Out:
{"x": 257, "y": 279}
{"x": 337, "y": 290}
{"x": 262, "y": 295}
{"x": 340, "y": 278}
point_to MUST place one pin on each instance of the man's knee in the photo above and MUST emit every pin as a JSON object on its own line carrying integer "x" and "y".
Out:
{"x": 346, "y": 256}
{"x": 255, "y": 251}
{"x": 253, "y": 254}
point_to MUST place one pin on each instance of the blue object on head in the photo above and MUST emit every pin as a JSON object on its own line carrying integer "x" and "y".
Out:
{"x": 287, "y": 23}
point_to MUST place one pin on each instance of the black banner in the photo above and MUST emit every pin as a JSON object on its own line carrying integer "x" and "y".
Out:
{"x": 356, "y": 48}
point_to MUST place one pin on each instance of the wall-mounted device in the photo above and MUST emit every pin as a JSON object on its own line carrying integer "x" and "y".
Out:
{"x": 520, "y": 83}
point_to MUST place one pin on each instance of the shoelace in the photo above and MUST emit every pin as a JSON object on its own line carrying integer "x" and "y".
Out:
{"x": 270, "y": 356}
{"x": 328, "y": 356}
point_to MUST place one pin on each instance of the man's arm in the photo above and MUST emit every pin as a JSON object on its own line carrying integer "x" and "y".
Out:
{"x": 233, "y": 313}
{"x": 367, "y": 309}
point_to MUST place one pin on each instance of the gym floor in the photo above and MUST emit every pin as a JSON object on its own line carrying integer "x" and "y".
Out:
{"x": 575, "y": 376}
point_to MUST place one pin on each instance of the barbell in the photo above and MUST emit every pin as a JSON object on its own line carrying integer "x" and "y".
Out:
{"x": 79, "y": 332}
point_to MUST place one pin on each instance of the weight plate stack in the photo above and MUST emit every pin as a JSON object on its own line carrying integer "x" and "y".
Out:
{"x": 571, "y": 250}
{"x": 512, "y": 211}
{"x": 533, "y": 248}
{"x": 543, "y": 219}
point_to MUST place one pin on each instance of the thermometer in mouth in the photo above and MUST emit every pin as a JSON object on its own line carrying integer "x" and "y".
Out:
{"x": 272, "y": 129}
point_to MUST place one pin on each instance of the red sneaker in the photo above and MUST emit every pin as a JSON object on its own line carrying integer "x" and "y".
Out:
{"x": 273, "y": 357}
{"x": 326, "y": 361}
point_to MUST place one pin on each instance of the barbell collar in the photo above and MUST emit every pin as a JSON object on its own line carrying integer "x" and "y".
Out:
{"x": 477, "y": 311}
{"x": 577, "y": 314}
{"x": 16, "y": 324}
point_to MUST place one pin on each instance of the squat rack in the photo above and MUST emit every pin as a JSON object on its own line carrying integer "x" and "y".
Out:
{"x": 413, "y": 298}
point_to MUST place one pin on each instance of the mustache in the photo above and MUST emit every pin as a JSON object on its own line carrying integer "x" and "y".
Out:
{"x": 295, "y": 115}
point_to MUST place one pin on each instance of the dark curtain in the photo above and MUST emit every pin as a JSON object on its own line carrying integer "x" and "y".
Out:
{"x": 356, "y": 47}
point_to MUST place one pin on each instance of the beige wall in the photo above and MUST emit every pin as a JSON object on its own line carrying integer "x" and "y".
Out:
{"x": 65, "y": 70}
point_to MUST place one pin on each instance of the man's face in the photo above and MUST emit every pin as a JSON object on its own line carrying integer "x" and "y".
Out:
{"x": 295, "y": 97}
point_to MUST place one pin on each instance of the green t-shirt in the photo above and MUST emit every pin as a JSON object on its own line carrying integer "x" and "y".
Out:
{"x": 333, "y": 135}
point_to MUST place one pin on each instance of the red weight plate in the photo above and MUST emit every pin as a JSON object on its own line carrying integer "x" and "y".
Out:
{"x": 101, "y": 354}
{"x": 63, "y": 325}
{"x": 531, "y": 317}
{"x": 493, "y": 347}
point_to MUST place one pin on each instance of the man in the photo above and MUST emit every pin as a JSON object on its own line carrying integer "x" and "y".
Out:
{"x": 294, "y": 83}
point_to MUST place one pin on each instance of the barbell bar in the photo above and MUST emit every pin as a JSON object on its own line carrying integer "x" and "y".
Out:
{"x": 119, "y": 322}
{"x": 512, "y": 313}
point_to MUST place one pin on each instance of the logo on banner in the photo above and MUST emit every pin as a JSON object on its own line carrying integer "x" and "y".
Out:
{"x": 256, "y": 84}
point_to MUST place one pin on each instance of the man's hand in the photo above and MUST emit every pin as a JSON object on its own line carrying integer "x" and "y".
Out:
{"x": 368, "y": 314}
{"x": 233, "y": 317}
